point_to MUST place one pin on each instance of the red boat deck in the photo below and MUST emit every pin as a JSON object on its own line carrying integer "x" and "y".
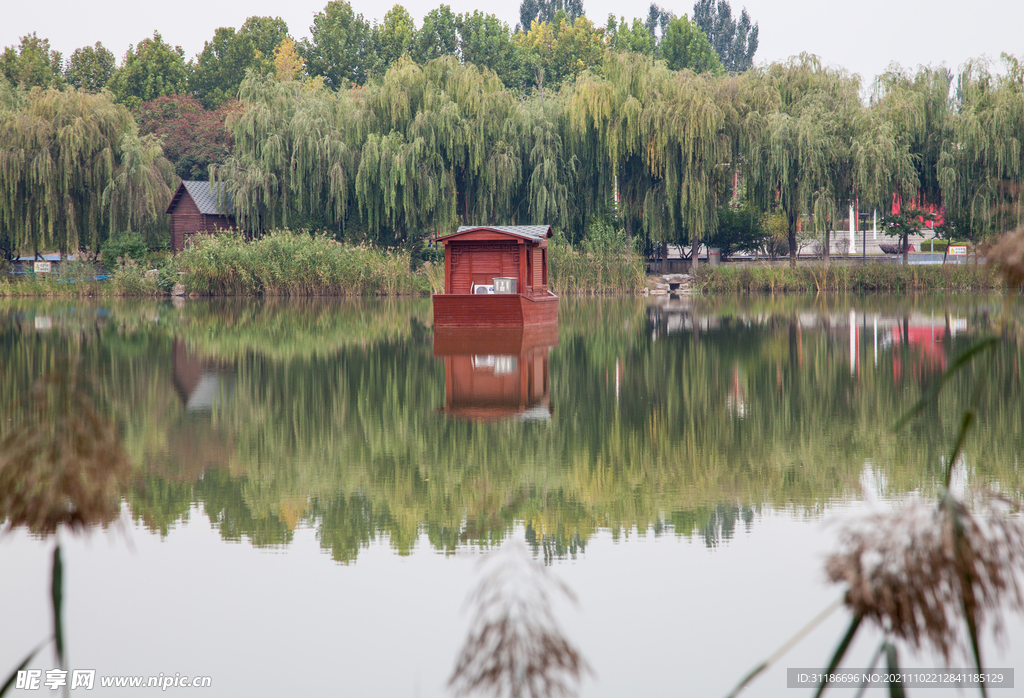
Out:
{"x": 498, "y": 310}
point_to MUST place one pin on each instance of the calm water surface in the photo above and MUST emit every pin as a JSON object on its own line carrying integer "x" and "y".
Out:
{"x": 313, "y": 484}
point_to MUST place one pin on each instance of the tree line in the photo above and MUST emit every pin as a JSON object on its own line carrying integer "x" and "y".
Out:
{"x": 390, "y": 132}
{"x": 345, "y": 49}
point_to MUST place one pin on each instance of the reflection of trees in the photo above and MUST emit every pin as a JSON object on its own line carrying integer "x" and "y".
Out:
{"x": 344, "y": 434}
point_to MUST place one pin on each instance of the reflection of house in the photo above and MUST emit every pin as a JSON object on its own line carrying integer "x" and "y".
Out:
{"x": 496, "y": 373}
{"x": 198, "y": 384}
{"x": 194, "y": 210}
{"x": 496, "y": 277}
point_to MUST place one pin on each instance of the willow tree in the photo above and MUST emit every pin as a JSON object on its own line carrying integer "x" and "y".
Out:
{"x": 919, "y": 108}
{"x": 981, "y": 169}
{"x": 72, "y": 168}
{"x": 799, "y": 147}
{"x": 664, "y": 136}
{"x": 894, "y": 146}
{"x": 470, "y": 120}
{"x": 293, "y": 160}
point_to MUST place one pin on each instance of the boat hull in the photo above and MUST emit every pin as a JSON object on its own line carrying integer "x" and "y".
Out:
{"x": 494, "y": 310}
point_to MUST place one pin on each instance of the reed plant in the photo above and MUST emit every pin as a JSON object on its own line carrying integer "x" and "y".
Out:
{"x": 836, "y": 278}
{"x": 294, "y": 263}
{"x": 604, "y": 262}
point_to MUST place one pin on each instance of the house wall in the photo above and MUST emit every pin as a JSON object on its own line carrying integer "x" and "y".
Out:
{"x": 186, "y": 221}
{"x": 475, "y": 263}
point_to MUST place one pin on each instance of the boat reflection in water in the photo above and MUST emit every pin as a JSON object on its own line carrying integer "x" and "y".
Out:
{"x": 496, "y": 373}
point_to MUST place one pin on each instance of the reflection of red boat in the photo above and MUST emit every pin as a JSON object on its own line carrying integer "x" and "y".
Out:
{"x": 494, "y": 373}
{"x": 496, "y": 277}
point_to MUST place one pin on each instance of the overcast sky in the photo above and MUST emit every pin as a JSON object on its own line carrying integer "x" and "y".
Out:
{"x": 861, "y": 37}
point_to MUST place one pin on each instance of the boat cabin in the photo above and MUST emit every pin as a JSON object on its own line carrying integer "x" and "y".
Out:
{"x": 495, "y": 276}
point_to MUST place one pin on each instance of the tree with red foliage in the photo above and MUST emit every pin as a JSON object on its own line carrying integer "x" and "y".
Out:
{"x": 193, "y": 138}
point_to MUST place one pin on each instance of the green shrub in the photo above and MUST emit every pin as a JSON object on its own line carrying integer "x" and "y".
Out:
{"x": 127, "y": 245}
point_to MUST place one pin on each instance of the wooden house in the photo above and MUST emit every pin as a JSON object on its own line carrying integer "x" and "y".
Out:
{"x": 496, "y": 276}
{"x": 496, "y": 373}
{"x": 194, "y": 209}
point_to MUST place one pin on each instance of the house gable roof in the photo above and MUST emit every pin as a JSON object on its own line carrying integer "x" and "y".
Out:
{"x": 534, "y": 233}
{"x": 204, "y": 198}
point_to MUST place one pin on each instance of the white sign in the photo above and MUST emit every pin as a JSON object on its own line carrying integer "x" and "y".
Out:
{"x": 960, "y": 251}
{"x": 42, "y": 268}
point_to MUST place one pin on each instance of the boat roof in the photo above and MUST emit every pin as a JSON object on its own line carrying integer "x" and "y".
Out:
{"x": 535, "y": 233}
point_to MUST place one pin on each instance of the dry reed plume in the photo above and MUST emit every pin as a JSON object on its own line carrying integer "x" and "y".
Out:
{"x": 919, "y": 571}
{"x": 1008, "y": 257}
{"x": 61, "y": 461}
{"x": 515, "y": 647}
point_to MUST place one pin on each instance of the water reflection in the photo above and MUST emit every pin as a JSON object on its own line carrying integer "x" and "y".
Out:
{"x": 495, "y": 373}
{"x": 682, "y": 418}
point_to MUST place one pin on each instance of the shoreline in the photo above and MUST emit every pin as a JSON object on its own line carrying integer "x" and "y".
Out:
{"x": 721, "y": 280}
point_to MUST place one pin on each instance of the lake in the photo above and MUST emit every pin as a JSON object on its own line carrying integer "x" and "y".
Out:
{"x": 310, "y": 486}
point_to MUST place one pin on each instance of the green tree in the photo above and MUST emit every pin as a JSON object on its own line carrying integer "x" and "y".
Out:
{"x": 657, "y": 21}
{"x": 739, "y": 228}
{"x": 439, "y": 35}
{"x": 551, "y": 52}
{"x": 893, "y": 150}
{"x": 685, "y": 46}
{"x": 621, "y": 36}
{"x": 531, "y": 11}
{"x": 659, "y": 137}
{"x": 904, "y": 224}
{"x": 981, "y": 168}
{"x": 341, "y": 47}
{"x": 798, "y": 126}
{"x": 90, "y": 68}
{"x": 396, "y": 36}
{"x": 221, "y": 66}
{"x": 32, "y": 63}
{"x": 151, "y": 69}
{"x": 734, "y": 41}
{"x": 486, "y": 41}
{"x": 72, "y": 168}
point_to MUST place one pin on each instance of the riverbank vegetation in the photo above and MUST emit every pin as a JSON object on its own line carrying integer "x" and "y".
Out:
{"x": 817, "y": 278}
{"x": 383, "y": 135}
{"x": 300, "y": 263}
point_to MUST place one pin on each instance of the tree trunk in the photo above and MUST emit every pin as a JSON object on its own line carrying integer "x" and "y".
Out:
{"x": 694, "y": 255}
{"x": 792, "y": 238}
{"x": 906, "y": 250}
{"x": 828, "y": 241}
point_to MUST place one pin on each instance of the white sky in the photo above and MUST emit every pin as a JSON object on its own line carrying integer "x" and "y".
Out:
{"x": 862, "y": 37}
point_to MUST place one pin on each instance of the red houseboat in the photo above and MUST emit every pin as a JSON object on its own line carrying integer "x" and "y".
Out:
{"x": 496, "y": 276}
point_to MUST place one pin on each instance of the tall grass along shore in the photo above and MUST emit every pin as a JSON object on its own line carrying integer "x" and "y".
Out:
{"x": 287, "y": 263}
{"x": 835, "y": 278}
